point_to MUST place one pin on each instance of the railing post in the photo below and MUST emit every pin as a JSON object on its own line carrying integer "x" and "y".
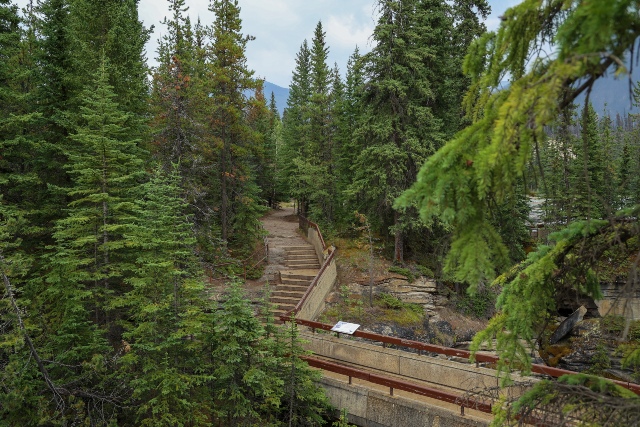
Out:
{"x": 349, "y": 379}
{"x": 391, "y": 390}
{"x": 462, "y": 410}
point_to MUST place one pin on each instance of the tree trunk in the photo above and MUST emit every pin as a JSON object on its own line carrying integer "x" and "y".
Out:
{"x": 399, "y": 239}
{"x": 225, "y": 197}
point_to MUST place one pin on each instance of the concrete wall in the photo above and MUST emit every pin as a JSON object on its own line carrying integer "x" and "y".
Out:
{"x": 315, "y": 303}
{"x": 314, "y": 239}
{"x": 619, "y": 301}
{"x": 455, "y": 375}
{"x": 372, "y": 408}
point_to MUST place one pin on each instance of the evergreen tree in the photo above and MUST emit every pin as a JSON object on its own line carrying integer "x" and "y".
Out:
{"x": 229, "y": 78}
{"x": 347, "y": 110}
{"x": 178, "y": 103}
{"x": 295, "y": 127}
{"x": 262, "y": 154}
{"x": 245, "y": 386}
{"x": 55, "y": 98}
{"x": 19, "y": 182}
{"x": 588, "y": 174}
{"x": 111, "y": 28}
{"x": 92, "y": 256}
{"x": 273, "y": 150}
{"x": 304, "y": 403}
{"x": 398, "y": 130}
{"x": 163, "y": 331}
{"x": 485, "y": 163}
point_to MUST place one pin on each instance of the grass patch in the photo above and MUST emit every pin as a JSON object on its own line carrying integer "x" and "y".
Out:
{"x": 396, "y": 311}
{"x": 386, "y": 308}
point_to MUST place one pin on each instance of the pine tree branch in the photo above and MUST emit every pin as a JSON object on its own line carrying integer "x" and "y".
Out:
{"x": 43, "y": 370}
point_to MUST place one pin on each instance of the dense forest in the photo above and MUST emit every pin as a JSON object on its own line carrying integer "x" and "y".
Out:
{"x": 124, "y": 189}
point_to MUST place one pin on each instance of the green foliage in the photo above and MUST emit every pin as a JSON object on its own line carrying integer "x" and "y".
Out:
{"x": 343, "y": 420}
{"x": 484, "y": 162}
{"x": 600, "y": 361}
{"x": 389, "y": 301}
{"x": 480, "y": 305}
{"x": 587, "y": 399}
{"x": 241, "y": 382}
{"x": 394, "y": 303}
{"x": 227, "y": 79}
{"x": 529, "y": 289}
{"x": 165, "y": 301}
{"x": 406, "y": 272}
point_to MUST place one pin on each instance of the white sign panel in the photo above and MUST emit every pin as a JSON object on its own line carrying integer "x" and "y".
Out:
{"x": 345, "y": 327}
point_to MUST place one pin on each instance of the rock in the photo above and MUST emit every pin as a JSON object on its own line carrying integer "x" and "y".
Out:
{"x": 586, "y": 327}
{"x": 395, "y": 286}
{"x": 567, "y": 325}
{"x": 424, "y": 284}
{"x": 332, "y": 298}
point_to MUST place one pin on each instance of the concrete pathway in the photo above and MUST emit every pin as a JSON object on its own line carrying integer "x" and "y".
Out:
{"x": 292, "y": 260}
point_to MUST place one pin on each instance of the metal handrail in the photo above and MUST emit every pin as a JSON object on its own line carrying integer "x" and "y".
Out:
{"x": 245, "y": 261}
{"x": 304, "y": 224}
{"x": 312, "y": 285}
{"x": 393, "y": 383}
{"x": 432, "y": 348}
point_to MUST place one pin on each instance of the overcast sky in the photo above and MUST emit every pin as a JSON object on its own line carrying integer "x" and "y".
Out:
{"x": 280, "y": 26}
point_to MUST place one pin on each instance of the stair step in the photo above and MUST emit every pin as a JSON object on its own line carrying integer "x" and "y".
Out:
{"x": 303, "y": 267}
{"x": 288, "y": 294}
{"x": 302, "y": 256}
{"x": 284, "y": 300}
{"x": 285, "y": 306}
{"x": 294, "y": 255}
{"x": 299, "y": 286}
{"x": 298, "y": 248}
{"x": 302, "y": 262}
{"x": 296, "y": 282}
{"x": 308, "y": 275}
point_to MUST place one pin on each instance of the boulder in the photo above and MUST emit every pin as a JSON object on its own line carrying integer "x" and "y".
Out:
{"x": 567, "y": 325}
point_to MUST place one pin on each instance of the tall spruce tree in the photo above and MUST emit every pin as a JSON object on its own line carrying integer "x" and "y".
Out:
{"x": 295, "y": 126}
{"x": 399, "y": 129}
{"x": 229, "y": 78}
{"x": 163, "y": 331}
{"x": 179, "y": 98}
{"x": 245, "y": 386}
{"x": 92, "y": 255}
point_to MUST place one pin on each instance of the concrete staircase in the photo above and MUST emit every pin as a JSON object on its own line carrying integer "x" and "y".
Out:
{"x": 302, "y": 266}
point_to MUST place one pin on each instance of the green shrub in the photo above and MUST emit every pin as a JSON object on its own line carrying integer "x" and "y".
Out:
{"x": 426, "y": 271}
{"x": 390, "y": 302}
{"x": 481, "y": 305}
{"x": 402, "y": 271}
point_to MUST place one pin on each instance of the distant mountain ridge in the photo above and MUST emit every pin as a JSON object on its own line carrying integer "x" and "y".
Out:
{"x": 611, "y": 95}
{"x": 281, "y": 94}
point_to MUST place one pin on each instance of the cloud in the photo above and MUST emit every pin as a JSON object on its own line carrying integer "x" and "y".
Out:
{"x": 346, "y": 32}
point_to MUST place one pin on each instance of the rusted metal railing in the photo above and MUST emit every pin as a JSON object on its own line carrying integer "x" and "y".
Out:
{"x": 396, "y": 384}
{"x": 432, "y": 348}
{"x": 248, "y": 263}
{"x": 304, "y": 225}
